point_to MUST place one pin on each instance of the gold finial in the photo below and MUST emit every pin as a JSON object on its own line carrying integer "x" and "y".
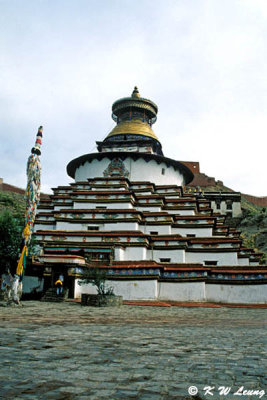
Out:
{"x": 135, "y": 92}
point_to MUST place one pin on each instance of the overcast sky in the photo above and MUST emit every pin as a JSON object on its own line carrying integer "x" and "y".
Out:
{"x": 203, "y": 62}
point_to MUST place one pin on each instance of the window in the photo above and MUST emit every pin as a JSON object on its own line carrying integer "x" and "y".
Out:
{"x": 190, "y": 235}
{"x": 93, "y": 228}
{"x": 154, "y": 233}
{"x": 210, "y": 262}
{"x": 163, "y": 171}
{"x": 218, "y": 205}
{"x": 167, "y": 260}
{"x": 229, "y": 205}
{"x": 101, "y": 207}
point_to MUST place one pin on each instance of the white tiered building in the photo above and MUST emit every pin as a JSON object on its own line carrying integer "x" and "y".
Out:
{"x": 127, "y": 211}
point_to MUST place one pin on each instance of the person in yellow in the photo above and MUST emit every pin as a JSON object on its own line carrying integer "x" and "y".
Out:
{"x": 59, "y": 286}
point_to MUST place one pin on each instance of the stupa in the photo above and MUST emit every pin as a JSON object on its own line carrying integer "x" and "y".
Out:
{"x": 127, "y": 211}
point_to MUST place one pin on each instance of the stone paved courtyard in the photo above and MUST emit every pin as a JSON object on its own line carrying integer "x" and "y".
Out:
{"x": 66, "y": 351}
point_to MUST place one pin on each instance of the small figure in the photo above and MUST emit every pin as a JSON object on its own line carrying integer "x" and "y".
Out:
{"x": 59, "y": 286}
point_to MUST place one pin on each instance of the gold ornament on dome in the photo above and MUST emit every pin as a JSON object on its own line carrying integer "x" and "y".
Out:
{"x": 135, "y": 126}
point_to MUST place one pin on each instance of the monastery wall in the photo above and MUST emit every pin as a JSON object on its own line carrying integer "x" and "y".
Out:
{"x": 199, "y": 232}
{"x": 258, "y": 201}
{"x": 181, "y": 291}
{"x": 129, "y": 290}
{"x": 139, "y": 170}
{"x": 193, "y": 166}
{"x": 161, "y": 229}
{"x": 119, "y": 253}
{"x": 84, "y": 205}
{"x": 249, "y": 294}
{"x": 135, "y": 253}
{"x": 235, "y": 208}
{"x": 243, "y": 261}
{"x": 181, "y": 212}
{"x": 175, "y": 255}
{"x": 149, "y": 208}
{"x": 116, "y": 226}
{"x": 225, "y": 258}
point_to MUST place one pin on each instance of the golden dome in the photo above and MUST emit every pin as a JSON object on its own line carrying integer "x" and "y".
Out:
{"x": 133, "y": 127}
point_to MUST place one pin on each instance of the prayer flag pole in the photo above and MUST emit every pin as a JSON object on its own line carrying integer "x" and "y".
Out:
{"x": 32, "y": 196}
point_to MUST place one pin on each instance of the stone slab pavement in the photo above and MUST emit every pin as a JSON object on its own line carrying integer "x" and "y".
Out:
{"x": 66, "y": 351}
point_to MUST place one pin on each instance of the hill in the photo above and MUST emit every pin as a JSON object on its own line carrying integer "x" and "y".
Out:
{"x": 14, "y": 202}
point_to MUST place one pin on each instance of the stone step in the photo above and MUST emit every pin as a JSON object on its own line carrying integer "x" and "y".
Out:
{"x": 51, "y": 295}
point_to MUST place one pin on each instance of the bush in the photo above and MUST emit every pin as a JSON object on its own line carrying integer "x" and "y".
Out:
{"x": 97, "y": 277}
{"x": 10, "y": 238}
{"x": 11, "y": 229}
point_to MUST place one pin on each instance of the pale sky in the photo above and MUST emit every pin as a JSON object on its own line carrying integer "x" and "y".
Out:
{"x": 203, "y": 62}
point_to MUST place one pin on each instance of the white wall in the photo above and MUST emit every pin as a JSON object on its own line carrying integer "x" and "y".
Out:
{"x": 119, "y": 254}
{"x": 237, "y": 212}
{"x": 236, "y": 208}
{"x": 181, "y": 212}
{"x": 176, "y": 256}
{"x": 182, "y": 291}
{"x": 243, "y": 261}
{"x": 139, "y": 170}
{"x": 199, "y": 232}
{"x": 84, "y": 205}
{"x": 87, "y": 289}
{"x": 44, "y": 226}
{"x": 129, "y": 290}
{"x": 148, "y": 209}
{"x": 119, "y": 226}
{"x": 248, "y": 294}
{"x": 135, "y": 253}
{"x": 161, "y": 229}
{"x": 227, "y": 258}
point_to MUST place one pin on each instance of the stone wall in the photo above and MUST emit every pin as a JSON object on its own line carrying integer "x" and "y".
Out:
{"x": 258, "y": 201}
{"x": 5, "y": 187}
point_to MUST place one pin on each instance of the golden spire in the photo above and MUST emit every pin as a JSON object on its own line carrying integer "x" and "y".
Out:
{"x": 135, "y": 92}
{"x": 134, "y": 116}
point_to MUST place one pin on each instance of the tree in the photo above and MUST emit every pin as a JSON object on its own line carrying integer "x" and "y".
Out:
{"x": 10, "y": 238}
{"x": 97, "y": 277}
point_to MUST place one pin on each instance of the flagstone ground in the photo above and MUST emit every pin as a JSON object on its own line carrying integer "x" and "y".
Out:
{"x": 66, "y": 351}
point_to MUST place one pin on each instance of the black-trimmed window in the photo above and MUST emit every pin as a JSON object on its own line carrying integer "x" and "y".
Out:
{"x": 92, "y": 228}
{"x": 167, "y": 260}
{"x": 229, "y": 205}
{"x": 210, "y": 263}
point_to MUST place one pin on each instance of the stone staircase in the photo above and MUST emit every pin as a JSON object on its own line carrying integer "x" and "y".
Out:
{"x": 51, "y": 295}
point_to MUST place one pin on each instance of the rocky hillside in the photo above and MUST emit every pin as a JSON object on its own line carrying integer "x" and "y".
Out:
{"x": 14, "y": 202}
{"x": 253, "y": 227}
